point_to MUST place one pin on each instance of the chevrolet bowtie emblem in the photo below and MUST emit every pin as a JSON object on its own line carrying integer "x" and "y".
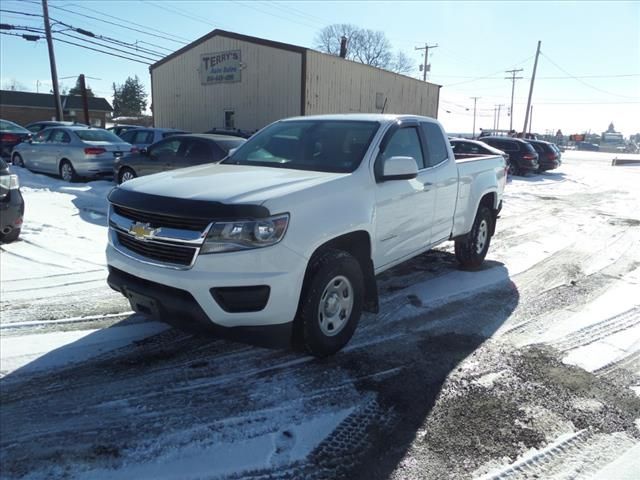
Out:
{"x": 143, "y": 231}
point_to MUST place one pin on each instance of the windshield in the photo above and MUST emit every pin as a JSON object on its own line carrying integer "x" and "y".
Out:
{"x": 320, "y": 145}
{"x": 97, "y": 136}
{"x": 12, "y": 127}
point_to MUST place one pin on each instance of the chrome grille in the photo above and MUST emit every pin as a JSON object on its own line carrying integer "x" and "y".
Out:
{"x": 160, "y": 220}
{"x": 160, "y": 251}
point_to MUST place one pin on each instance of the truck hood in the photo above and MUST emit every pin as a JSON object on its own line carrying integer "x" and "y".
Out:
{"x": 229, "y": 184}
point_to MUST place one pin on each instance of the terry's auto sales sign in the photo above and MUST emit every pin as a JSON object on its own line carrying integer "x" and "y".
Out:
{"x": 220, "y": 67}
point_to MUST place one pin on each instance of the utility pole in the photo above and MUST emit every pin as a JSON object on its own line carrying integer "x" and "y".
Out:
{"x": 52, "y": 60}
{"x": 530, "y": 118}
{"x": 498, "y": 121}
{"x": 426, "y": 59}
{"x": 533, "y": 77}
{"x": 495, "y": 111}
{"x": 475, "y": 99}
{"x": 513, "y": 79}
{"x": 85, "y": 101}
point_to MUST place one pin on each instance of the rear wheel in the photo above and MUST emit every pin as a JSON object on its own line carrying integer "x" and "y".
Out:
{"x": 12, "y": 236}
{"x": 67, "y": 172}
{"x": 513, "y": 168}
{"x": 125, "y": 175}
{"x": 17, "y": 160}
{"x": 331, "y": 303}
{"x": 472, "y": 250}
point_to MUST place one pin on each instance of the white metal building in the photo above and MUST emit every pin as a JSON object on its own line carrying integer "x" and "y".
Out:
{"x": 228, "y": 80}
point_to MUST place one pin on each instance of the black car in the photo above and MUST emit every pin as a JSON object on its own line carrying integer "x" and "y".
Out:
{"x": 230, "y": 133}
{"x": 35, "y": 127}
{"x": 11, "y": 205}
{"x": 176, "y": 151}
{"x": 11, "y": 134}
{"x": 465, "y": 148}
{"x": 548, "y": 156}
{"x": 523, "y": 157}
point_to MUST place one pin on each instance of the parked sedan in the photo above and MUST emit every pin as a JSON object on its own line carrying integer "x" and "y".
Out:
{"x": 177, "y": 151}
{"x": 71, "y": 152}
{"x": 35, "y": 127}
{"x": 591, "y": 147}
{"x": 11, "y": 134}
{"x": 11, "y": 205}
{"x": 465, "y": 148}
{"x": 145, "y": 137}
{"x": 548, "y": 157}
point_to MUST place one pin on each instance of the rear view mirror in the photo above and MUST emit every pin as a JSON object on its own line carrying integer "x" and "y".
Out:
{"x": 399, "y": 168}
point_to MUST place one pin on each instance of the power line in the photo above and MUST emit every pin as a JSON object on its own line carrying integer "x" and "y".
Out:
{"x": 127, "y": 21}
{"x": 266, "y": 12}
{"x": 119, "y": 25}
{"x": 490, "y": 74}
{"x": 102, "y": 51}
{"x": 105, "y": 46}
{"x": 585, "y": 83}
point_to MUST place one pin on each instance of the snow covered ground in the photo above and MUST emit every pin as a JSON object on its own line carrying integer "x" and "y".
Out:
{"x": 527, "y": 368}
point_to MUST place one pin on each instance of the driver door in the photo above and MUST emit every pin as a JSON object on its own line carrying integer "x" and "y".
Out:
{"x": 161, "y": 156}
{"x": 32, "y": 155}
{"x": 404, "y": 208}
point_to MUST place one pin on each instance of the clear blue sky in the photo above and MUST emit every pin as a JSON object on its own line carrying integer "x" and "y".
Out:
{"x": 588, "y": 73}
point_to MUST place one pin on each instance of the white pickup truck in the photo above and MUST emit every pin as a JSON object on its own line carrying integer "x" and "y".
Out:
{"x": 282, "y": 240}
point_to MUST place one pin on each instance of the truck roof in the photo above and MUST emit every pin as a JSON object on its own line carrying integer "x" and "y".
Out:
{"x": 362, "y": 117}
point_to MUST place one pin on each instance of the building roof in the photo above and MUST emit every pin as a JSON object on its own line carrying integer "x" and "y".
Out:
{"x": 46, "y": 100}
{"x": 236, "y": 36}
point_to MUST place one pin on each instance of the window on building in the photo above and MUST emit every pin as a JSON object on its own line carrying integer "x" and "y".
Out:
{"x": 229, "y": 119}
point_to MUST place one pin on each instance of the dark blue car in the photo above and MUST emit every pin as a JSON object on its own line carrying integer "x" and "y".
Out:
{"x": 592, "y": 147}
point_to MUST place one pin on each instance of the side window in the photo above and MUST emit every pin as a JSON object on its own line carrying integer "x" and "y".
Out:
{"x": 436, "y": 145}
{"x": 42, "y": 136}
{"x": 59, "y": 136}
{"x": 405, "y": 143}
{"x": 35, "y": 128}
{"x": 127, "y": 137}
{"x": 169, "y": 147}
{"x": 197, "y": 151}
{"x": 141, "y": 136}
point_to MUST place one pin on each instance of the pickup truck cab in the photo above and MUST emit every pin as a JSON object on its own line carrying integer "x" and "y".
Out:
{"x": 282, "y": 240}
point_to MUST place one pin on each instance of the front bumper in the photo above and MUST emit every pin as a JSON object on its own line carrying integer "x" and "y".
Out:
{"x": 277, "y": 267}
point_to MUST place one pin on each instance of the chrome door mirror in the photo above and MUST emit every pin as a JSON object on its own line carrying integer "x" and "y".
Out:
{"x": 399, "y": 168}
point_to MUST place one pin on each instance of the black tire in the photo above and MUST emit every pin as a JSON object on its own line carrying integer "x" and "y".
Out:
{"x": 17, "y": 160}
{"x": 69, "y": 175}
{"x": 471, "y": 250}
{"x": 12, "y": 236}
{"x": 513, "y": 169}
{"x": 123, "y": 172}
{"x": 329, "y": 270}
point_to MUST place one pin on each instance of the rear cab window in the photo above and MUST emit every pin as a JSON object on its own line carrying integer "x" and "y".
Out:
{"x": 436, "y": 147}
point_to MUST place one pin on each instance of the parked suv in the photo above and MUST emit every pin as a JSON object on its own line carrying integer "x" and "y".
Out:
{"x": 523, "y": 158}
{"x": 11, "y": 204}
{"x": 548, "y": 156}
{"x": 144, "y": 137}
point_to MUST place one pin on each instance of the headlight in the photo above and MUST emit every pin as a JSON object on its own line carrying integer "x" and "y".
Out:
{"x": 245, "y": 234}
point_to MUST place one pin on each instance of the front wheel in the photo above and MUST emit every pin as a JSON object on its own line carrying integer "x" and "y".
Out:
{"x": 67, "y": 172}
{"x": 331, "y": 303}
{"x": 126, "y": 174}
{"x": 471, "y": 250}
{"x": 17, "y": 160}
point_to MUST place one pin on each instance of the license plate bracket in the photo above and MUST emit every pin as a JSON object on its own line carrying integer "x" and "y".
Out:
{"x": 143, "y": 304}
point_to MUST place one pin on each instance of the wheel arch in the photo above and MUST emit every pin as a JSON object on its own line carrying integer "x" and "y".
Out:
{"x": 358, "y": 244}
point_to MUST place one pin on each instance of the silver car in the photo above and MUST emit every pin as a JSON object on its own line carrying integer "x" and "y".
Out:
{"x": 71, "y": 152}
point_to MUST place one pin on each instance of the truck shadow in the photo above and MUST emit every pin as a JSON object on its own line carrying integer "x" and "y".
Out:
{"x": 227, "y": 410}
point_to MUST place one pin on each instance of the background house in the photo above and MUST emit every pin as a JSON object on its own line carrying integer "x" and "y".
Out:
{"x": 26, "y": 107}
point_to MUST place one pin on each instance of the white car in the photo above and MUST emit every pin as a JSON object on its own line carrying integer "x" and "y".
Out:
{"x": 282, "y": 240}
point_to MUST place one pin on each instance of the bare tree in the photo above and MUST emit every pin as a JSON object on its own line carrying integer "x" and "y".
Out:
{"x": 15, "y": 85}
{"x": 363, "y": 45}
{"x": 402, "y": 64}
{"x": 328, "y": 39}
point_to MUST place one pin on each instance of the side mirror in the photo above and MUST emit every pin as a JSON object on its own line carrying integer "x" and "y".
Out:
{"x": 399, "y": 168}
{"x": 232, "y": 151}
{"x": 144, "y": 151}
